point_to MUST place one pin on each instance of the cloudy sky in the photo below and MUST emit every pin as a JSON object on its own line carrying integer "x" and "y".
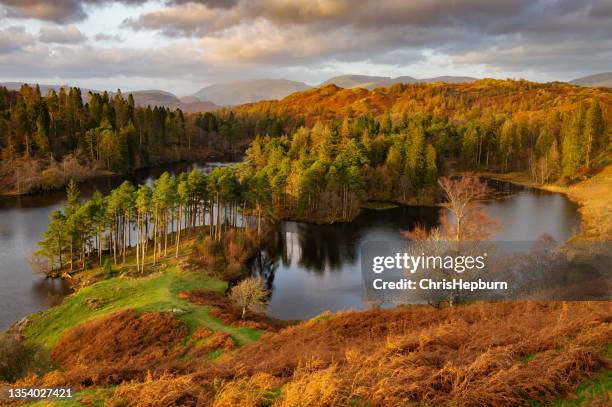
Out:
{"x": 182, "y": 45}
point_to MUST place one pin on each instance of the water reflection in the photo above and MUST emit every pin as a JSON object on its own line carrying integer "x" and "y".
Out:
{"x": 312, "y": 268}
{"x": 23, "y": 220}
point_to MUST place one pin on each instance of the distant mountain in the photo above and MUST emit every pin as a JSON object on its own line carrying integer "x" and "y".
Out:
{"x": 373, "y": 82}
{"x": 167, "y": 99}
{"x": 354, "y": 81}
{"x": 235, "y": 93}
{"x": 597, "y": 80}
{"x": 189, "y": 99}
{"x": 153, "y": 97}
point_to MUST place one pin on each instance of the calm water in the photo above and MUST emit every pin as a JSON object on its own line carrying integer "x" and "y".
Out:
{"x": 310, "y": 268}
{"x": 313, "y": 268}
{"x": 23, "y": 220}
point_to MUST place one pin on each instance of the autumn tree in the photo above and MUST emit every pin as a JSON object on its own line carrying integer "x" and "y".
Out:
{"x": 250, "y": 295}
{"x": 462, "y": 195}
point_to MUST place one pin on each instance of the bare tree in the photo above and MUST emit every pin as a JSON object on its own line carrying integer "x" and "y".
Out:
{"x": 462, "y": 196}
{"x": 462, "y": 234}
{"x": 250, "y": 294}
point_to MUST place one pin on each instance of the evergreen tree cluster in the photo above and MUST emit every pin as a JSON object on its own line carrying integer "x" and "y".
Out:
{"x": 327, "y": 171}
{"x": 106, "y": 129}
{"x": 151, "y": 219}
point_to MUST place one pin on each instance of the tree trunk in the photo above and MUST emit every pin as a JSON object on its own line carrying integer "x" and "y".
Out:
{"x": 178, "y": 232}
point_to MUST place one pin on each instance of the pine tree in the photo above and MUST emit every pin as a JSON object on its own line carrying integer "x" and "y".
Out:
{"x": 431, "y": 167}
{"x": 386, "y": 126}
{"x": 54, "y": 239}
{"x": 470, "y": 146}
{"x": 594, "y": 131}
{"x": 72, "y": 197}
{"x": 415, "y": 157}
{"x": 572, "y": 148}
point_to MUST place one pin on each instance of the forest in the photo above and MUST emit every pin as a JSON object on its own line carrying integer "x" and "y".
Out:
{"x": 396, "y": 138}
{"x": 151, "y": 318}
{"x": 323, "y": 173}
{"x": 327, "y": 171}
{"x": 47, "y": 140}
{"x": 152, "y": 219}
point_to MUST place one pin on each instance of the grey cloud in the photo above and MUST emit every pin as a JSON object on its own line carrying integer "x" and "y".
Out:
{"x": 405, "y": 22}
{"x": 514, "y": 34}
{"x": 601, "y": 9}
{"x": 14, "y": 39}
{"x": 61, "y": 35}
{"x": 259, "y": 37}
{"x": 59, "y": 11}
{"x": 65, "y": 11}
{"x": 209, "y": 3}
{"x": 86, "y": 61}
{"x": 176, "y": 21}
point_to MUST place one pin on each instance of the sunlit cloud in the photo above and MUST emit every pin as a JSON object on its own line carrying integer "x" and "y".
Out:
{"x": 199, "y": 42}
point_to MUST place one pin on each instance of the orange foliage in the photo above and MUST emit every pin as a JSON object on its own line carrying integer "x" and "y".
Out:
{"x": 460, "y": 101}
{"x": 222, "y": 307}
{"x": 119, "y": 347}
{"x": 482, "y": 354}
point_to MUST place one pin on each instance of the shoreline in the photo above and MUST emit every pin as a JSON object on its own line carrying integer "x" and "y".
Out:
{"x": 592, "y": 196}
{"x": 94, "y": 174}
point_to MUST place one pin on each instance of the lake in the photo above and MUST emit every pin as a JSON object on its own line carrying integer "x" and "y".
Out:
{"x": 24, "y": 219}
{"x": 313, "y": 268}
{"x": 310, "y": 268}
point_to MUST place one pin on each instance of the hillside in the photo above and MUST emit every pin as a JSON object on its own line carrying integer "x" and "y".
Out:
{"x": 353, "y": 81}
{"x": 455, "y": 100}
{"x": 234, "y": 93}
{"x": 373, "y": 82}
{"x": 597, "y": 80}
{"x": 153, "y": 97}
{"x": 497, "y": 354}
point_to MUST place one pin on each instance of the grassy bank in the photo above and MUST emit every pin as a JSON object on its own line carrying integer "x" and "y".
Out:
{"x": 158, "y": 292}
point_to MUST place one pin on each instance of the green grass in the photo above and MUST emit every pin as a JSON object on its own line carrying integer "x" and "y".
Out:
{"x": 154, "y": 293}
{"x": 529, "y": 358}
{"x": 95, "y": 398}
{"x": 595, "y": 389}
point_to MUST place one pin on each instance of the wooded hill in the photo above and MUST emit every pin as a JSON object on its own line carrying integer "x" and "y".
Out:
{"x": 331, "y": 148}
{"x": 458, "y": 102}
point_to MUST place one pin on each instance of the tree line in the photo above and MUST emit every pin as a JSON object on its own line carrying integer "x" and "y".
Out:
{"x": 45, "y": 140}
{"x": 327, "y": 171}
{"x": 148, "y": 222}
{"x": 552, "y": 130}
{"x": 106, "y": 129}
{"x": 322, "y": 173}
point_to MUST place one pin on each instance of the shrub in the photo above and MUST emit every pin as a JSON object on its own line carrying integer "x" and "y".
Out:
{"x": 18, "y": 358}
